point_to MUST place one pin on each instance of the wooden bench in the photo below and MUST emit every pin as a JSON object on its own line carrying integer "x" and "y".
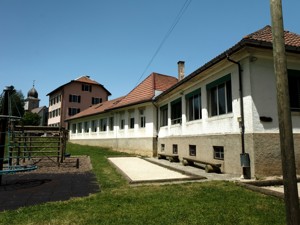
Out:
{"x": 209, "y": 167}
{"x": 170, "y": 157}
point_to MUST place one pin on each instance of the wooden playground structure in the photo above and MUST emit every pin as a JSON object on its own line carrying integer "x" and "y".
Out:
{"x": 27, "y": 145}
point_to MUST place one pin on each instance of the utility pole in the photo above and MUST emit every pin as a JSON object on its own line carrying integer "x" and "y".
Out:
{"x": 284, "y": 117}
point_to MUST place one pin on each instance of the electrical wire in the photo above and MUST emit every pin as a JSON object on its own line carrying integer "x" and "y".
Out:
{"x": 175, "y": 22}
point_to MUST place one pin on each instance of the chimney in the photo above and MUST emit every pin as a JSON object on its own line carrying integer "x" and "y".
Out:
{"x": 180, "y": 70}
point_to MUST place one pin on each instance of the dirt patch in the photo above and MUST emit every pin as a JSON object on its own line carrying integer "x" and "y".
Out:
{"x": 74, "y": 164}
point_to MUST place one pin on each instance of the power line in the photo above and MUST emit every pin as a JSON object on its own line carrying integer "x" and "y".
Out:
{"x": 175, "y": 22}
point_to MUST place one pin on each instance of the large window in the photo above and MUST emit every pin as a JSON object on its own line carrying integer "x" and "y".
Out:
{"x": 103, "y": 124}
{"x": 94, "y": 125}
{"x": 111, "y": 123}
{"x": 73, "y": 128}
{"x": 176, "y": 111}
{"x": 193, "y": 105}
{"x": 86, "y": 127}
{"x": 220, "y": 96}
{"x": 294, "y": 89}
{"x": 164, "y": 115}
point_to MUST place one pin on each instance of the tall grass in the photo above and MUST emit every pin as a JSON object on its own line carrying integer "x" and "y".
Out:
{"x": 217, "y": 202}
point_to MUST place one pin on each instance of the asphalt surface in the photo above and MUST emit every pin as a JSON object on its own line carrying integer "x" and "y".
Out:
{"x": 25, "y": 189}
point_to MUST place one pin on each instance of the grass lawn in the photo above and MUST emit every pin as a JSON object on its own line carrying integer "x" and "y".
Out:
{"x": 214, "y": 202}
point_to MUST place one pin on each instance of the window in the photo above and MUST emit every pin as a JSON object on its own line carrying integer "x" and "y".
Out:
{"x": 103, "y": 124}
{"x": 193, "y": 105}
{"x": 74, "y": 128}
{"x": 142, "y": 118}
{"x": 74, "y": 98}
{"x": 94, "y": 125}
{"x": 164, "y": 115}
{"x": 220, "y": 96}
{"x": 122, "y": 121}
{"x": 176, "y": 113}
{"x": 192, "y": 150}
{"x": 131, "y": 119}
{"x": 294, "y": 89}
{"x": 79, "y": 127}
{"x": 111, "y": 123}
{"x": 86, "y": 127}
{"x": 175, "y": 149}
{"x": 87, "y": 87}
{"x": 96, "y": 100}
{"x": 73, "y": 111}
{"x": 218, "y": 152}
{"x": 162, "y": 147}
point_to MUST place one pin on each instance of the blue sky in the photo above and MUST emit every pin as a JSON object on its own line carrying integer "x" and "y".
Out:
{"x": 113, "y": 41}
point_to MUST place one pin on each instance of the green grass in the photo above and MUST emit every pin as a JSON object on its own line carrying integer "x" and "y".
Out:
{"x": 215, "y": 202}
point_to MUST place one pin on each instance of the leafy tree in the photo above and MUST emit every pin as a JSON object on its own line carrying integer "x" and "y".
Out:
{"x": 30, "y": 118}
{"x": 17, "y": 103}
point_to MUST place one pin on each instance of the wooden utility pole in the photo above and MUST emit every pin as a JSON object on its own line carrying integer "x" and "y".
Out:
{"x": 284, "y": 117}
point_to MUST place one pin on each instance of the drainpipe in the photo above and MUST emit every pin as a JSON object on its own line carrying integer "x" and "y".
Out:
{"x": 156, "y": 131}
{"x": 245, "y": 160}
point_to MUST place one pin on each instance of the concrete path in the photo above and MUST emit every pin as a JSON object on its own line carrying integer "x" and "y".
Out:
{"x": 138, "y": 170}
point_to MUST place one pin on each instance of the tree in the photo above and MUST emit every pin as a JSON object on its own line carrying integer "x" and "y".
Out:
{"x": 30, "y": 118}
{"x": 16, "y": 103}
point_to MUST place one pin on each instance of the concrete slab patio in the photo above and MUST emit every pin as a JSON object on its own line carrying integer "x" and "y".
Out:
{"x": 138, "y": 170}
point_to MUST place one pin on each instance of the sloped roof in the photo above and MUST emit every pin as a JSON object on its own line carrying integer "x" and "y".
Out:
{"x": 261, "y": 39}
{"x": 98, "y": 108}
{"x": 265, "y": 35}
{"x": 82, "y": 79}
{"x": 143, "y": 92}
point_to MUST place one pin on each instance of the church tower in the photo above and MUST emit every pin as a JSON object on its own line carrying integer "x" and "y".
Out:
{"x": 32, "y": 101}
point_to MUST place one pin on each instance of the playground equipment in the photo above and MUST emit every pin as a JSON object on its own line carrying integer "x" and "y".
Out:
{"x": 22, "y": 147}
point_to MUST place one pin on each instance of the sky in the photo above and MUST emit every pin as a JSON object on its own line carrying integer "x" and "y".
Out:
{"x": 118, "y": 43}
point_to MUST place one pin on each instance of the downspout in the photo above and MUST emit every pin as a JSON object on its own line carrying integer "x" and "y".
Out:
{"x": 242, "y": 121}
{"x": 244, "y": 157}
{"x": 155, "y": 147}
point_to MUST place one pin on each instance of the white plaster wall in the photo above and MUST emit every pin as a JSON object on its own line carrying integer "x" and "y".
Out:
{"x": 137, "y": 132}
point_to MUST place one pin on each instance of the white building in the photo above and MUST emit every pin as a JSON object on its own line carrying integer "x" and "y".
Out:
{"x": 224, "y": 112}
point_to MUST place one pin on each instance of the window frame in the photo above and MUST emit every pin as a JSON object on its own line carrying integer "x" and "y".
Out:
{"x": 164, "y": 115}
{"x": 294, "y": 89}
{"x": 216, "y": 96}
{"x": 176, "y": 111}
{"x": 192, "y": 150}
{"x": 218, "y": 152}
{"x": 191, "y": 99}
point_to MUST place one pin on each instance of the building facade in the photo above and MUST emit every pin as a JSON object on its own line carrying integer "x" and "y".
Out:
{"x": 225, "y": 112}
{"x": 74, "y": 97}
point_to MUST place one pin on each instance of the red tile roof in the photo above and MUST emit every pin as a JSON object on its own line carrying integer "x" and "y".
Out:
{"x": 143, "y": 92}
{"x": 265, "y": 35}
{"x": 98, "y": 108}
{"x": 82, "y": 79}
{"x": 86, "y": 79}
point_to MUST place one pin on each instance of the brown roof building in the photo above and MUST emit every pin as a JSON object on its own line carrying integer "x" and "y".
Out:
{"x": 74, "y": 97}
